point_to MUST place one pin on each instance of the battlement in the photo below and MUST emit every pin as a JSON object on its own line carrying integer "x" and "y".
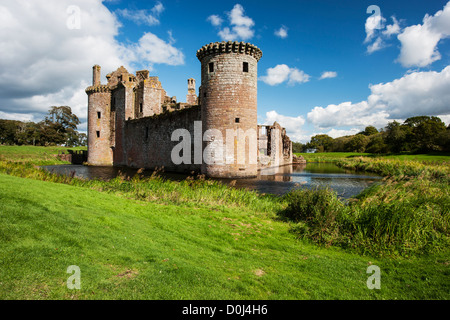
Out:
{"x": 215, "y": 48}
{"x": 98, "y": 88}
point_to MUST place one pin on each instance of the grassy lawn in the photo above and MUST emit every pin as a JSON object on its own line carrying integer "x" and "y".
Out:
{"x": 129, "y": 249}
{"x": 336, "y": 156}
{"x": 156, "y": 239}
{"x": 36, "y": 155}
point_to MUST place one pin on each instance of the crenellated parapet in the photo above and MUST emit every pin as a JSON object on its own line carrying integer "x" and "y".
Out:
{"x": 103, "y": 88}
{"x": 215, "y": 48}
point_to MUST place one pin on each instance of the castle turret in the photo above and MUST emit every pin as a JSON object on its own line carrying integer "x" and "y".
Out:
{"x": 229, "y": 108}
{"x": 99, "y": 122}
{"x": 96, "y": 71}
{"x": 191, "y": 97}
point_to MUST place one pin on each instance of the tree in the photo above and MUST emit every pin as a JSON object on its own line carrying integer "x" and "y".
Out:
{"x": 8, "y": 131}
{"x": 396, "y": 136}
{"x": 377, "y": 144}
{"x": 297, "y": 147}
{"x": 424, "y": 133}
{"x": 59, "y": 127}
{"x": 369, "y": 131}
{"x": 63, "y": 115}
{"x": 357, "y": 144}
{"x": 321, "y": 142}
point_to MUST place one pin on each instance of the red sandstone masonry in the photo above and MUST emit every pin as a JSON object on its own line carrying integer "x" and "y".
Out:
{"x": 229, "y": 101}
{"x": 127, "y": 124}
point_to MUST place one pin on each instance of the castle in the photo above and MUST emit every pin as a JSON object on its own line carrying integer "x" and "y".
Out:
{"x": 132, "y": 122}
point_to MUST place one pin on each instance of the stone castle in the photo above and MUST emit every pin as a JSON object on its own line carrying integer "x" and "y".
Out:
{"x": 131, "y": 120}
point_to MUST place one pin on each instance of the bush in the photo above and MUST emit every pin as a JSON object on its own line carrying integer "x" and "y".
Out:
{"x": 315, "y": 213}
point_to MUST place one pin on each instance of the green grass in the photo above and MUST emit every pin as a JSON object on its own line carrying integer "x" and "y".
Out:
{"x": 197, "y": 239}
{"x": 131, "y": 249}
{"x": 35, "y": 155}
{"x": 336, "y": 156}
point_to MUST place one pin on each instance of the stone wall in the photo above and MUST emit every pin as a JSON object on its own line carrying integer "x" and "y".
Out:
{"x": 99, "y": 126}
{"x": 148, "y": 144}
{"x": 229, "y": 102}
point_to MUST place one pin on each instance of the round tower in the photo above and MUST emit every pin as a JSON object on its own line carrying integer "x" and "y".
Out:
{"x": 100, "y": 152}
{"x": 229, "y": 108}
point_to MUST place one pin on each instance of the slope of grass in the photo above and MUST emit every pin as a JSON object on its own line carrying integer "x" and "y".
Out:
{"x": 34, "y": 154}
{"x": 131, "y": 249}
{"x": 432, "y": 158}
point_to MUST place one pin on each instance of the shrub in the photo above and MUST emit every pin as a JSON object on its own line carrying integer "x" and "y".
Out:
{"x": 315, "y": 213}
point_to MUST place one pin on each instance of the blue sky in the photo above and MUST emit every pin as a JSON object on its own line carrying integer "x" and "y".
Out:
{"x": 327, "y": 66}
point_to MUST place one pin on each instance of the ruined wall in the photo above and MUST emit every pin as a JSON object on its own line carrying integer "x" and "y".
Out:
{"x": 191, "y": 97}
{"x": 274, "y": 146}
{"x": 147, "y": 141}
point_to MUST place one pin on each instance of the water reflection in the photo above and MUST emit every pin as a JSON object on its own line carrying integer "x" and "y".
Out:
{"x": 278, "y": 180}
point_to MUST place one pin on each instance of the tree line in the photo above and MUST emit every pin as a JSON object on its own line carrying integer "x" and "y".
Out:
{"x": 421, "y": 134}
{"x": 58, "y": 128}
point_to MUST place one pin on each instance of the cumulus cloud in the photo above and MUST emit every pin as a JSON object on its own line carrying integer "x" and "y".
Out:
{"x": 155, "y": 50}
{"x": 293, "y": 125}
{"x": 16, "y": 116}
{"x": 45, "y": 63}
{"x": 419, "y": 42}
{"x": 328, "y": 75}
{"x": 373, "y": 23}
{"x": 377, "y": 32}
{"x": 282, "y": 73}
{"x": 241, "y": 26}
{"x": 347, "y": 114}
{"x": 215, "y": 20}
{"x": 282, "y": 32}
{"x": 336, "y": 133}
{"x": 143, "y": 16}
{"x": 417, "y": 93}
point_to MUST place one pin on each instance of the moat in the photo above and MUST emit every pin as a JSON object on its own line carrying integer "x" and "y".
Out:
{"x": 278, "y": 181}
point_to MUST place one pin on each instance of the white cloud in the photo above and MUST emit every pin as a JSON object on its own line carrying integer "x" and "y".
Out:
{"x": 373, "y": 23}
{"x": 328, "y": 74}
{"x": 392, "y": 29}
{"x": 143, "y": 16}
{"x": 240, "y": 25}
{"x": 417, "y": 93}
{"x": 155, "y": 50}
{"x": 16, "y": 116}
{"x": 419, "y": 42}
{"x": 347, "y": 114}
{"x": 45, "y": 63}
{"x": 282, "y": 32}
{"x": 336, "y": 133}
{"x": 297, "y": 76}
{"x": 158, "y": 8}
{"x": 282, "y": 73}
{"x": 378, "y": 44}
{"x": 293, "y": 125}
{"x": 376, "y": 29}
{"x": 215, "y": 20}
{"x": 445, "y": 119}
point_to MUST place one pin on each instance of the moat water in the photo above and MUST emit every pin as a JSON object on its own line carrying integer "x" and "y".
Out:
{"x": 277, "y": 181}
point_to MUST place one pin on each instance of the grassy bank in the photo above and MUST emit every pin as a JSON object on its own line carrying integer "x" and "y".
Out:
{"x": 197, "y": 239}
{"x": 131, "y": 249}
{"x": 408, "y": 214}
{"x": 34, "y": 155}
{"x": 432, "y": 158}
